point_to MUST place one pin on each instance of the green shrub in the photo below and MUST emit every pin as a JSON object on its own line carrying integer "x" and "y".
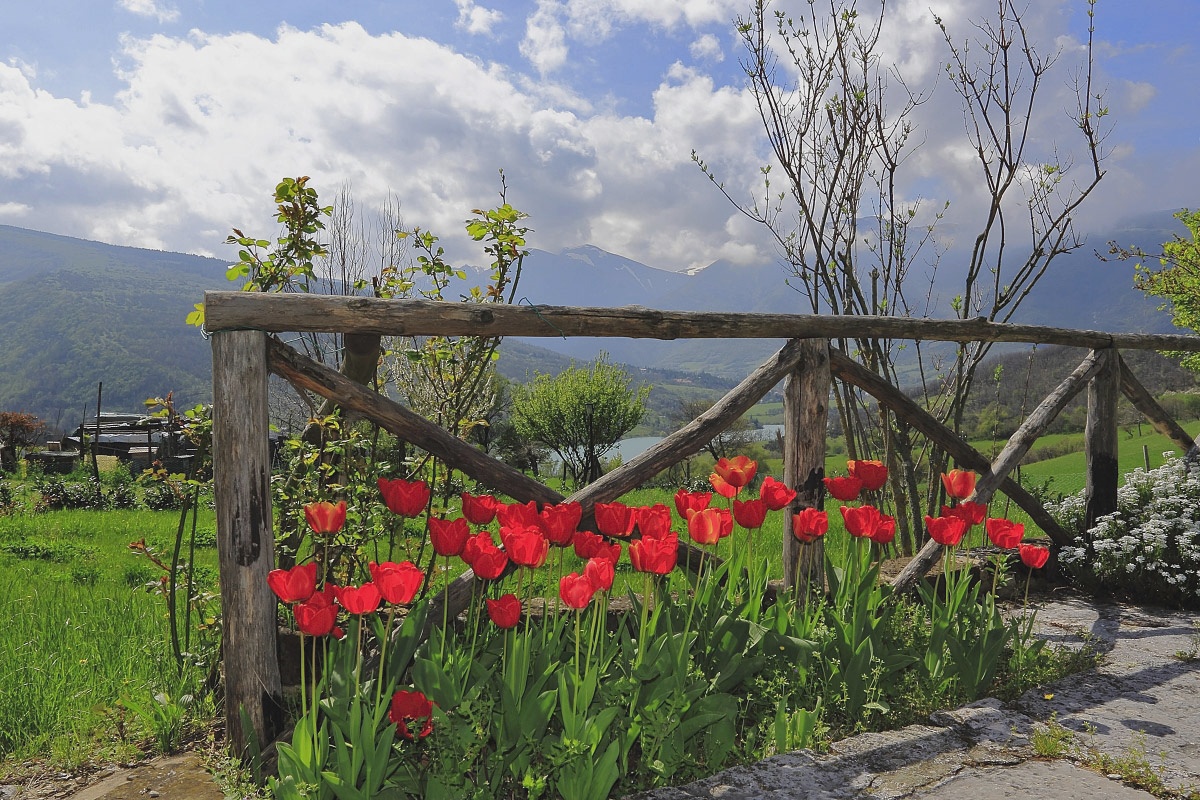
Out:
{"x": 1149, "y": 548}
{"x": 161, "y": 497}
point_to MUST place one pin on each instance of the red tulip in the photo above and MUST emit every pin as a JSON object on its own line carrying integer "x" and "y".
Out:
{"x": 325, "y": 517}
{"x": 885, "y": 532}
{"x": 576, "y": 590}
{"x": 488, "y": 562}
{"x": 518, "y": 514}
{"x": 947, "y": 531}
{"x": 844, "y": 489}
{"x": 750, "y": 514}
{"x": 526, "y": 545}
{"x": 1034, "y": 556}
{"x": 810, "y": 524}
{"x": 775, "y": 494}
{"x": 873, "y": 474}
{"x": 317, "y": 615}
{"x": 1004, "y": 533}
{"x": 474, "y": 544}
{"x": 294, "y": 585}
{"x": 737, "y": 471}
{"x": 959, "y": 483}
{"x": 559, "y": 523}
{"x": 411, "y": 706}
{"x": 397, "y": 583}
{"x": 448, "y": 536}
{"x": 360, "y": 599}
{"x": 862, "y": 521}
{"x": 479, "y": 509}
{"x": 653, "y": 521}
{"x": 505, "y": 611}
{"x": 657, "y": 556}
{"x": 974, "y": 513}
{"x": 704, "y": 526}
{"x": 685, "y": 500}
{"x": 722, "y": 486}
{"x": 591, "y": 545}
{"x": 601, "y": 572}
{"x": 404, "y": 498}
{"x": 614, "y": 519}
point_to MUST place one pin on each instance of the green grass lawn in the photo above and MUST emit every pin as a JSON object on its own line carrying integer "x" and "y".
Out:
{"x": 81, "y": 632}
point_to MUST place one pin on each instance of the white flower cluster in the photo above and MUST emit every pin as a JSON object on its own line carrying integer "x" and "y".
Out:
{"x": 1150, "y": 546}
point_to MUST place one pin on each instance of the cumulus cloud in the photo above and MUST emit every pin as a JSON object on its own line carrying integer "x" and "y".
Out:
{"x": 206, "y": 125}
{"x": 707, "y": 48}
{"x": 476, "y": 19}
{"x": 163, "y": 12}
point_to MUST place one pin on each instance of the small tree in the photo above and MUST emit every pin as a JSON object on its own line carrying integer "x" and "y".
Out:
{"x": 737, "y": 439}
{"x": 1177, "y": 280}
{"x": 580, "y": 413}
{"x": 18, "y": 430}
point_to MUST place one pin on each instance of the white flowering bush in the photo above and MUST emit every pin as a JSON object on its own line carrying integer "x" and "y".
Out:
{"x": 1149, "y": 548}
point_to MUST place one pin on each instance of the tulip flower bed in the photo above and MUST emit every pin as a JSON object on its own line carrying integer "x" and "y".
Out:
{"x": 529, "y": 695}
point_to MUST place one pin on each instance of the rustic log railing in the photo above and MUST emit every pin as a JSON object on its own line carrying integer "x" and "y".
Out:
{"x": 244, "y": 354}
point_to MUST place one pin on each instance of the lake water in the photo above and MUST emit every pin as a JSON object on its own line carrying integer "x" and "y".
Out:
{"x": 636, "y": 445}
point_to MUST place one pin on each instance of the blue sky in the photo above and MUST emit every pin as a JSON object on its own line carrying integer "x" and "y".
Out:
{"x": 164, "y": 123}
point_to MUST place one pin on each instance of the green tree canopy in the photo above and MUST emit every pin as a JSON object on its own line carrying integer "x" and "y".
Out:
{"x": 1178, "y": 279}
{"x": 580, "y": 413}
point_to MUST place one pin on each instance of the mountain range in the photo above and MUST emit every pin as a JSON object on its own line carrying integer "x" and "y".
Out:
{"x": 76, "y": 313}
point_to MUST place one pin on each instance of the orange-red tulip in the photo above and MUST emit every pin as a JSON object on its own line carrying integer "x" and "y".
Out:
{"x": 737, "y": 471}
{"x": 657, "y": 556}
{"x": 873, "y": 474}
{"x": 959, "y": 483}
{"x": 325, "y": 517}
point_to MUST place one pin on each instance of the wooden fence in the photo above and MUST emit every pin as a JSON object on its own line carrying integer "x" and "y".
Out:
{"x": 244, "y": 354}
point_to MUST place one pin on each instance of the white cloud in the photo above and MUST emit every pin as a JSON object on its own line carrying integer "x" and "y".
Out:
{"x": 161, "y": 11}
{"x": 207, "y": 125}
{"x": 545, "y": 45}
{"x": 476, "y": 19}
{"x": 707, "y": 48}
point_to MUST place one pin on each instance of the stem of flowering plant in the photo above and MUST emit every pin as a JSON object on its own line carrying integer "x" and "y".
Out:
{"x": 577, "y": 634}
{"x": 383, "y": 649}
{"x": 646, "y": 600}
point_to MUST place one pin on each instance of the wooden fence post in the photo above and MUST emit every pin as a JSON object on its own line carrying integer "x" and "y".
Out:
{"x": 245, "y": 541}
{"x": 1100, "y": 438}
{"x": 805, "y": 419}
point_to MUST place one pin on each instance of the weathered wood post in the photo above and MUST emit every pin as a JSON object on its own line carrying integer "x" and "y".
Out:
{"x": 245, "y": 542}
{"x": 805, "y": 419}
{"x": 1100, "y": 438}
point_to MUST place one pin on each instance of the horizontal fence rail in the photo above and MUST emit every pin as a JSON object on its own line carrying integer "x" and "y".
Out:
{"x": 292, "y": 313}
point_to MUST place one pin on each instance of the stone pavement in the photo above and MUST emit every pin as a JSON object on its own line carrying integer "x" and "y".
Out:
{"x": 1140, "y": 708}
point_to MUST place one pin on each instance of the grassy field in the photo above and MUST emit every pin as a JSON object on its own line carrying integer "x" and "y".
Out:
{"x": 81, "y": 632}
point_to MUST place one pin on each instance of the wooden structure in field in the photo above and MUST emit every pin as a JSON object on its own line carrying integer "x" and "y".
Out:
{"x": 244, "y": 354}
